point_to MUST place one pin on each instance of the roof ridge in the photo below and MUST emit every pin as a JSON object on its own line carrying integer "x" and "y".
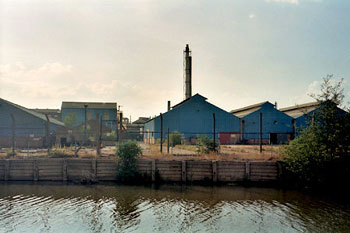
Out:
{"x": 34, "y": 113}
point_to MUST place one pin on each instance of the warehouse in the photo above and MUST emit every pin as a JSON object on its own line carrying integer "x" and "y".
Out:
{"x": 303, "y": 113}
{"x": 276, "y": 126}
{"x": 30, "y": 128}
{"x": 192, "y": 117}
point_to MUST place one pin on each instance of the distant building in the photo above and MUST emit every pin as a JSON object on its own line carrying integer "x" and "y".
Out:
{"x": 301, "y": 113}
{"x": 277, "y": 127}
{"x": 53, "y": 113}
{"x": 32, "y": 129}
{"x": 73, "y": 113}
{"x": 192, "y": 117}
{"x": 304, "y": 113}
{"x": 135, "y": 129}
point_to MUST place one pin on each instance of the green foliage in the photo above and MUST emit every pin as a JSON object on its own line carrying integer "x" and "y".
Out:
{"x": 176, "y": 138}
{"x": 70, "y": 120}
{"x": 205, "y": 144}
{"x": 325, "y": 142}
{"x": 127, "y": 154}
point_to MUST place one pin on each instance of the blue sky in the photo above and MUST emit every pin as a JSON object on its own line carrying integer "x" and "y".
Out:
{"x": 130, "y": 52}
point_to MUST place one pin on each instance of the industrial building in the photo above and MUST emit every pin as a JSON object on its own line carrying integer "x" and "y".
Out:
{"x": 76, "y": 113}
{"x": 301, "y": 113}
{"x": 192, "y": 117}
{"x": 27, "y": 127}
{"x": 275, "y": 127}
{"x": 304, "y": 113}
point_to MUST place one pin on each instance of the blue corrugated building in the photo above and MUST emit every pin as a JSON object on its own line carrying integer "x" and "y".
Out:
{"x": 303, "y": 113}
{"x": 30, "y": 126}
{"x": 191, "y": 117}
{"x": 277, "y": 127}
{"x": 94, "y": 111}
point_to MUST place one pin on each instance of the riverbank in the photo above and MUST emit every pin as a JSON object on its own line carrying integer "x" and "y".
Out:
{"x": 95, "y": 170}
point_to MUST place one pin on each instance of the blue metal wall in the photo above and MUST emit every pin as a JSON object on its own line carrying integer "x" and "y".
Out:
{"x": 80, "y": 115}
{"x": 26, "y": 123}
{"x": 273, "y": 121}
{"x": 194, "y": 117}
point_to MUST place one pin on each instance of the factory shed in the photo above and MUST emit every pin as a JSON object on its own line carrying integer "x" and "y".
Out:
{"x": 76, "y": 111}
{"x": 29, "y": 127}
{"x": 192, "y": 117}
{"x": 276, "y": 128}
{"x": 303, "y": 113}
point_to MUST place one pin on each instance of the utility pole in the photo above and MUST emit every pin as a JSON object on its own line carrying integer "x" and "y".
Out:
{"x": 168, "y": 137}
{"x": 214, "y": 135}
{"x": 85, "y": 123}
{"x": 161, "y": 133}
{"x": 47, "y": 133}
{"x": 13, "y": 133}
{"x": 260, "y": 131}
{"x": 99, "y": 137}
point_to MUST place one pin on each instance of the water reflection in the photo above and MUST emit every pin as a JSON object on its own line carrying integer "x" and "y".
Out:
{"x": 110, "y": 208}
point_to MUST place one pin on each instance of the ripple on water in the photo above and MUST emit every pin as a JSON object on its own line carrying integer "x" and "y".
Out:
{"x": 143, "y": 209}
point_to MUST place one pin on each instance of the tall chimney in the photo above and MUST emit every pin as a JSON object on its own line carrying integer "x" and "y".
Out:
{"x": 187, "y": 73}
{"x": 168, "y": 105}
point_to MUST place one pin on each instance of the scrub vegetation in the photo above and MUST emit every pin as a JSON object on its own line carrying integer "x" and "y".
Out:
{"x": 127, "y": 154}
{"x": 321, "y": 153}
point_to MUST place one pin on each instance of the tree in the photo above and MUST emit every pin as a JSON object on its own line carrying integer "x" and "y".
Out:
{"x": 127, "y": 154}
{"x": 315, "y": 155}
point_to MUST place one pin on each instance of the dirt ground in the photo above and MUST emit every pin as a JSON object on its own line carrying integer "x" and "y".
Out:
{"x": 180, "y": 152}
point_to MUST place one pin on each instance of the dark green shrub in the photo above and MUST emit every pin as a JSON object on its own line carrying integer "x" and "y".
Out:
{"x": 205, "y": 144}
{"x": 127, "y": 154}
{"x": 315, "y": 155}
{"x": 176, "y": 138}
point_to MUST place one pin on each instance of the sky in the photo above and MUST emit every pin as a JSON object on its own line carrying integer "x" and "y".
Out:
{"x": 130, "y": 52}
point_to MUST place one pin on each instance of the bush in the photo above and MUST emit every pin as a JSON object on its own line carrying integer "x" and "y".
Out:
{"x": 312, "y": 156}
{"x": 176, "y": 138}
{"x": 127, "y": 154}
{"x": 205, "y": 144}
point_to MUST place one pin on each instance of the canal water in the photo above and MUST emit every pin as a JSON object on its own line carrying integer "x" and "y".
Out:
{"x": 169, "y": 208}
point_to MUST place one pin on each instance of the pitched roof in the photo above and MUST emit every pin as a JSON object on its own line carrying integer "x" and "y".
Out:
{"x": 300, "y": 109}
{"x": 141, "y": 120}
{"x": 94, "y": 105}
{"x": 242, "y": 112}
{"x": 46, "y": 110}
{"x": 33, "y": 113}
{"x": 196, "y": 96}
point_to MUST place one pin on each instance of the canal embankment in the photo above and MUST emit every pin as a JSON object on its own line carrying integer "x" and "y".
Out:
{"x": 96, "y": 170}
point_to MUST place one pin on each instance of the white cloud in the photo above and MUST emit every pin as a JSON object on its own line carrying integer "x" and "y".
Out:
{"x": 251, "y": 16}
{"x": 286, "y": 1}
{"x": 291, "y": 1}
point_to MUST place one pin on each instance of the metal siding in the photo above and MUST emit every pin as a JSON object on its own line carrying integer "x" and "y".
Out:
{"x": 195, "y": 117}
{"x": 80, "y": 113}
{"x": 269, "y": 115}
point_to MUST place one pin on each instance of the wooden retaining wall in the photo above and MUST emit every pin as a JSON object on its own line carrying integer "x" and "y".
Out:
{"x": 106, "y": 170}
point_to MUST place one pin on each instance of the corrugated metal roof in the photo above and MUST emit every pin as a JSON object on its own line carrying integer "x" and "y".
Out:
{"x": 300, "y": 109}
{"x": 194, "y": 96}
{"x": 46, "y": 110}
{"x": 91, "y": 105}
{"x": 36, "y": 114}
{"x": 181, "y": 103}
{"x": 242, "y": 112}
